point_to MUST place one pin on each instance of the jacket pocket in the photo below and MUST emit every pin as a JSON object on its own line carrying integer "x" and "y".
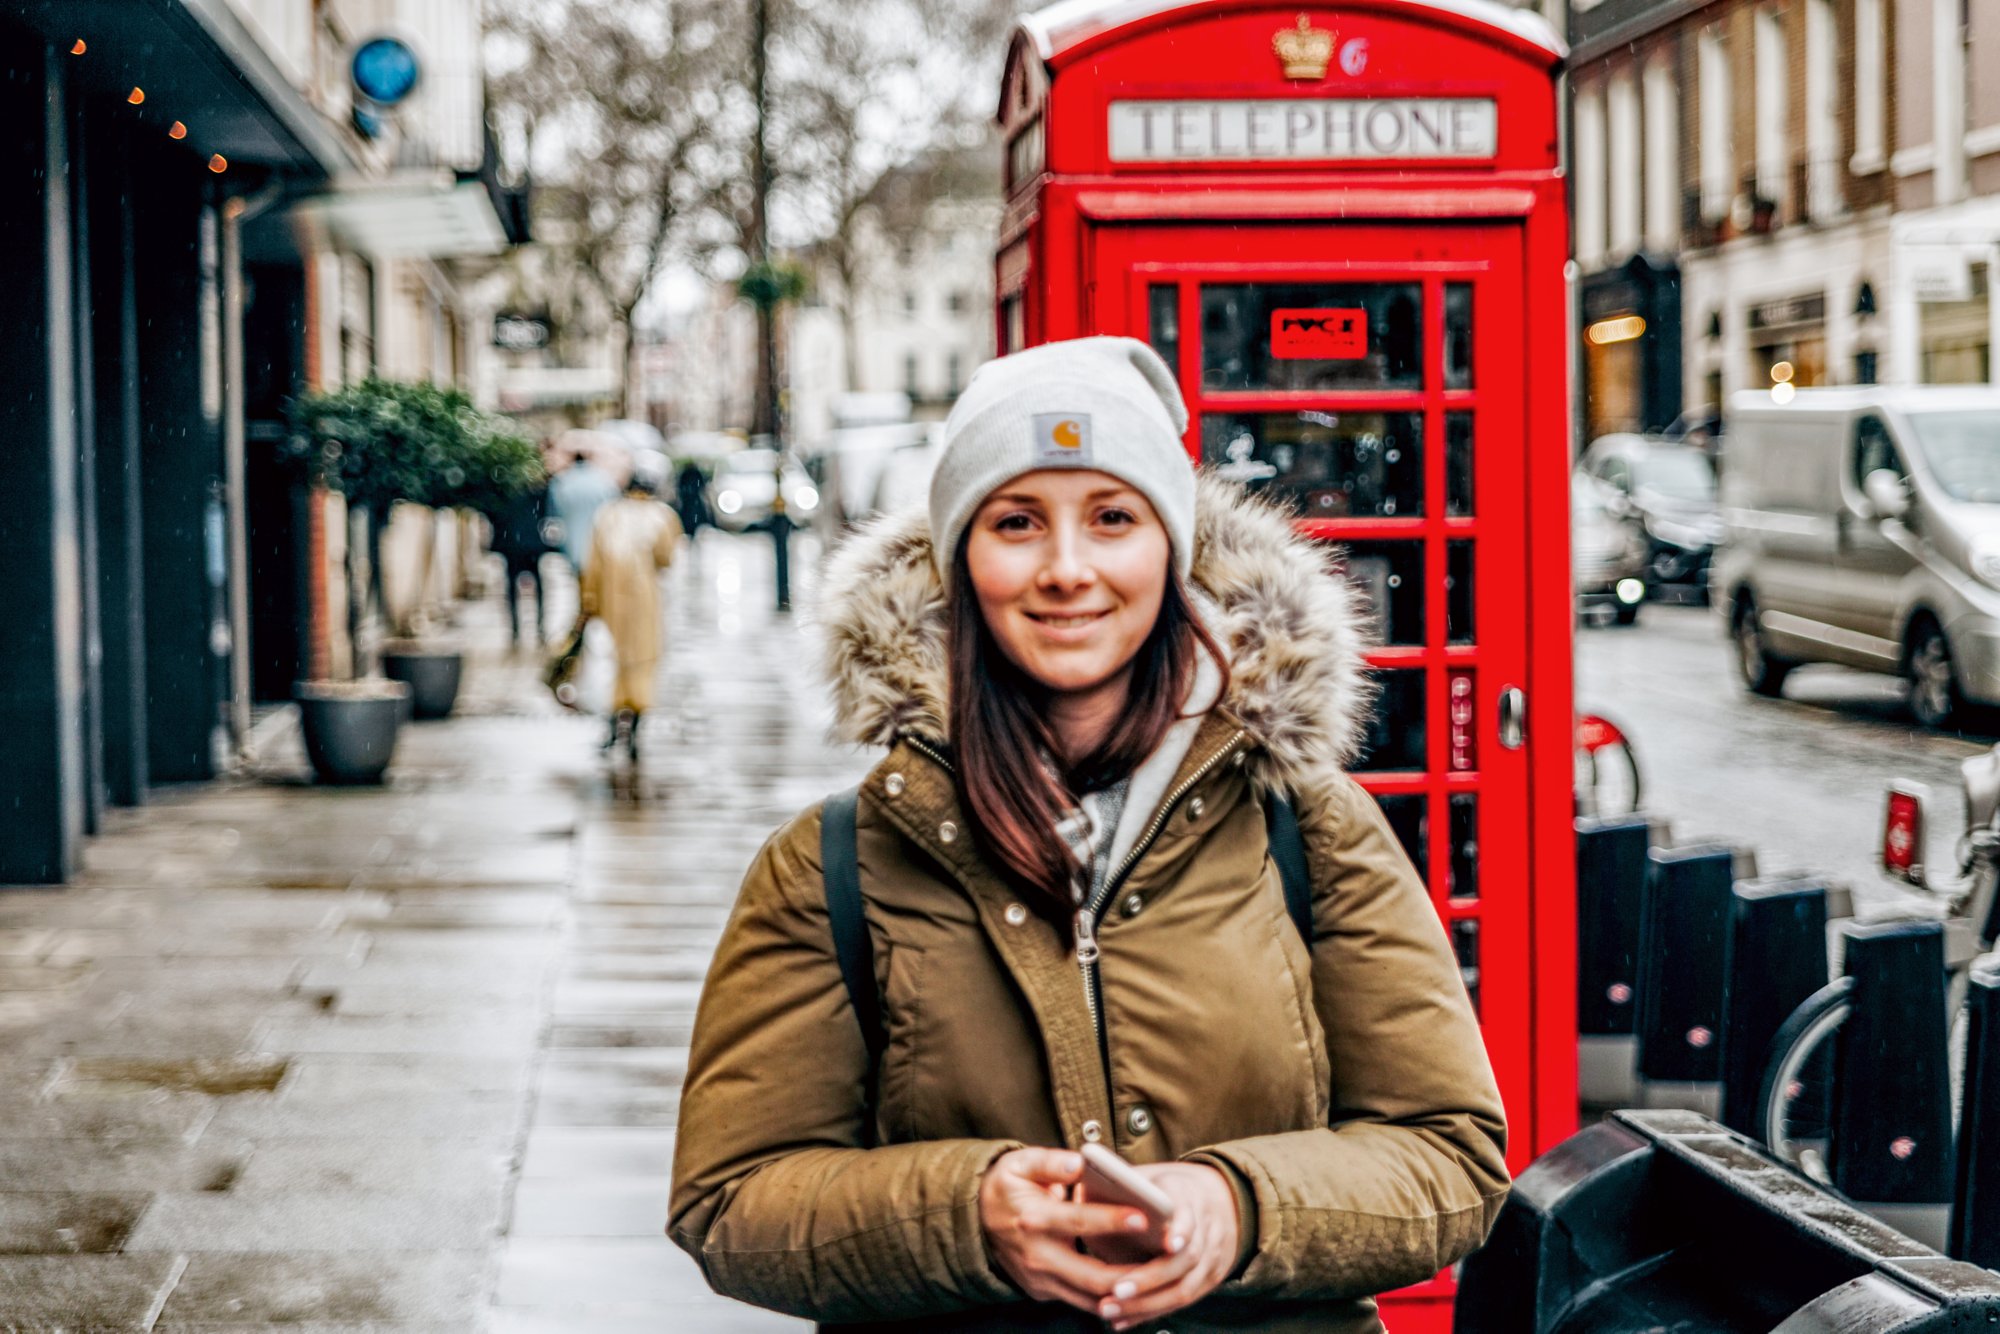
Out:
{"x": 899, "y": 1086}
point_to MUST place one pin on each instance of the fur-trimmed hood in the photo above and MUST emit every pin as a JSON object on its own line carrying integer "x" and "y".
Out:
{"x": 1290, "y": 625}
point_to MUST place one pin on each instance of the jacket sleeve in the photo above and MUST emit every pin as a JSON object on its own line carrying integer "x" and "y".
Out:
{"x": 1411, "y": 1171}
{"x": 668, "y": 541}
{"x": 772, "y": 1193}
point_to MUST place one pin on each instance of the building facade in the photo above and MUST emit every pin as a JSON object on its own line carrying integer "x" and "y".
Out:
{"x": 1761, "y": 198}
{"x": 202, "y": 220}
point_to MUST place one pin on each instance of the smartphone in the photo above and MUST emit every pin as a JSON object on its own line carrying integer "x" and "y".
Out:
{"x": 1109, "y": 1179}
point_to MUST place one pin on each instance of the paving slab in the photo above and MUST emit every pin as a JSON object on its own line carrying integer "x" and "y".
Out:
{"x": 319, "y": 1221}
{"x": 101, "y": 1294}
{"x": 56, "y": 1222}
{"x": 469, "y": 1116}
{"x": 644, "y": 1154}
{"x": 172, "y": 1118}
{"x": 372, "y": 1163}
{"x": 95, "y": 1165}
{"x": 291, "y": 1290}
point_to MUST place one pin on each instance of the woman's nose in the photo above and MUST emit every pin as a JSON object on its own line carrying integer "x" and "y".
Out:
{"x": 1068, "y": 566}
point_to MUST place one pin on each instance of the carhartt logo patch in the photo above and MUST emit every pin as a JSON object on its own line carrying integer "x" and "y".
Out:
{"x": 1063, "y": 438}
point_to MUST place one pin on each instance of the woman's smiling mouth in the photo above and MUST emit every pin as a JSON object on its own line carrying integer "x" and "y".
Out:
{"x": 1066, "y": 621}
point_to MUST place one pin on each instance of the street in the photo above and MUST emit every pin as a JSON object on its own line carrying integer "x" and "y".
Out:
{"x": 1799, "y": 779}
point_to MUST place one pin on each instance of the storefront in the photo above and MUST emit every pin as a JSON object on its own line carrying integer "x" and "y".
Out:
{"x": 1630, "y": 320}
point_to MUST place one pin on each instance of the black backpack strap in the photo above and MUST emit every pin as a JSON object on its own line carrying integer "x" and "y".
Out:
{"x": 840, "y": 868}
{"x": 1288, "y": 850}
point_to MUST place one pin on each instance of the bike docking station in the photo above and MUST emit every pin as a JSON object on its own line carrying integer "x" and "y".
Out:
{"x": 1850, "y": 1178}
{"x": 1667, "y": 1221}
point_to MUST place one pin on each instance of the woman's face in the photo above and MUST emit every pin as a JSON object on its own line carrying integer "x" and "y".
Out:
{"x": 1069, "y": 568}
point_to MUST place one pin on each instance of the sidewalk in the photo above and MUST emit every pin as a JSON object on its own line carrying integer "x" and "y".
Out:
{"x": 403, "y": 1059}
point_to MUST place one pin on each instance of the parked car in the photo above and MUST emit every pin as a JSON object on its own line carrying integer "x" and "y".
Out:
{"x": 1864, "y": 528}
{"x": 745, "y": 483}
{"x": 1608, "y": 553}
{"x": 1668, "y": 487}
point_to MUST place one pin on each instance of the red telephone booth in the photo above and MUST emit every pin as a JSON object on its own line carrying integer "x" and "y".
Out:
{"x": 1345, "y": 227}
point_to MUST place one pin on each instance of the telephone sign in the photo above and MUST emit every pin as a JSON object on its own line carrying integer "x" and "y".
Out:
{"x": 1335, "y": 334}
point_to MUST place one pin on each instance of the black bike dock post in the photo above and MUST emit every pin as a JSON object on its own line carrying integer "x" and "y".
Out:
{"x": 1975, "y": 1211}
{"x": 1610, "y": 886}
{"x": 1890, "y": 1146}
{"x": 1665, "y": 1221}
{"x": 1776, "y": 958}
{"x": 1683, "y": 935}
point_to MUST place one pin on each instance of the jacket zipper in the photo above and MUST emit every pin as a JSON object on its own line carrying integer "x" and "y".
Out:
{"x": 1087, "y": 917}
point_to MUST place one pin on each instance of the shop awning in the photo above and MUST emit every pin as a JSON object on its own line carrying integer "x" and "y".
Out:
{"x": 197, "y": 63}
{"x": 411, "y": 214}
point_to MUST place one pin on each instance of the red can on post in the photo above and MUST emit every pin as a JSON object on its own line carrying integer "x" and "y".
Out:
{"x": 1345, "y": 228}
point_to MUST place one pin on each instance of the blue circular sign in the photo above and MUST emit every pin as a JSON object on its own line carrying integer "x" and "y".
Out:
{"x": 385, "y": 70}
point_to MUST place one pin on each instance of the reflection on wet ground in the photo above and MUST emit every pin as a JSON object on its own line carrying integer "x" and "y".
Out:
{"x": 405, "y": 1058}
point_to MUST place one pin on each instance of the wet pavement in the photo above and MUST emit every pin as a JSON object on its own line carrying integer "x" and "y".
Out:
{"x": 403, "y": 1059}
{"x": 1799, "y": 779}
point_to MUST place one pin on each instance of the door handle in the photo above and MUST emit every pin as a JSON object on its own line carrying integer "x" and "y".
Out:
{"x": 1513, "y": 717}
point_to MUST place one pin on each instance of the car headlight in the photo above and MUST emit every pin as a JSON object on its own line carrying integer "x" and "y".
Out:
{"x": 729, "y": 502}
{"x": 1985, "y": 558}
{"x": 805, "y": 499}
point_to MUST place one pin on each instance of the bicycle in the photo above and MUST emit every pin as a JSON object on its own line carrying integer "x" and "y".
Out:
{"x": 1795, "y": 1096}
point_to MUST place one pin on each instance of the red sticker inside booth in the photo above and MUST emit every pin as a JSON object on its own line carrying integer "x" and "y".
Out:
{"x": 1328, "y": 334}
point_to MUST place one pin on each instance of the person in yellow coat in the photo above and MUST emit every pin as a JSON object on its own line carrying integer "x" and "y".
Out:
{"x": 634, "y": 538}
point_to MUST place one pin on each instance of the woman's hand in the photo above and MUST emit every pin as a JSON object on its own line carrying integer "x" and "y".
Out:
{"x": 1032, "y": 1228}
{"x": 1201, "y": 1246}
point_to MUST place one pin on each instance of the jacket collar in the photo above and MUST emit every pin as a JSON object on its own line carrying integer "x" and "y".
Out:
{"x": 1289, "y": 623}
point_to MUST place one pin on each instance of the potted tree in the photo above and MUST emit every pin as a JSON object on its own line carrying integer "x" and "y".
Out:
{"x": 380, "y": 444}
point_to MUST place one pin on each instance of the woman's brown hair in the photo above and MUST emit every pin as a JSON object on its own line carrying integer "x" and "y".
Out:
{"x": 1012, "y": 777}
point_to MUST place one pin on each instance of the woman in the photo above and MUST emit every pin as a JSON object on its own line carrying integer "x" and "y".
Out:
{"x": 1090, "y": 673}
{"x": 632, "y": 539}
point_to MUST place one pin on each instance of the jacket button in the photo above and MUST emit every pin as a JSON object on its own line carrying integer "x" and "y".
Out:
{"x": 1195, "y": 808}
{"x": 1015, "y": 914}
{"x": 947, "y": 832}
{"x": 1138, "y": 1120}
{"x": 1236, "y": 760}
{"x": 893, "y": 785}
{"x": 1092, "y": 1132}
{"x": 1133, "y": 902}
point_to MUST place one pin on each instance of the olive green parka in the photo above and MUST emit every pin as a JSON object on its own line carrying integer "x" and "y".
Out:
{"x": 1343, "y": 1088}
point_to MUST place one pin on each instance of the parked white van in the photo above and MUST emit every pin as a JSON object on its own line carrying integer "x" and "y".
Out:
{"x": 1862, "y": 526}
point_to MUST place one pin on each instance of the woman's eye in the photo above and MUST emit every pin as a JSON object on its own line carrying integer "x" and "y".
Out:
{"x": 1011, "y": 523}
{"x": 1116, "y": 517}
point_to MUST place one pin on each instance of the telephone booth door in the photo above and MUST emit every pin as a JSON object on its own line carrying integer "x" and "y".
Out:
{"x": 1377, "y": 389}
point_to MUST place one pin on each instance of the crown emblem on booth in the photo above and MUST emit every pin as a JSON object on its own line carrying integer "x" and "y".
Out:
{"x": 1305, "y": 50}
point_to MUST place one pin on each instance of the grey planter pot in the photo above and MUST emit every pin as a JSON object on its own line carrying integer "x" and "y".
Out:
{"x": 433, "y": 677}
{"x": 350, "y": 728}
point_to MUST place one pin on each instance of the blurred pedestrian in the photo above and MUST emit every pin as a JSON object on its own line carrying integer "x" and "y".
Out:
{"x": 1095, "y": 677}
{"x": 634, "y": 538}
{"x": 520, "y": 538}
{"x": 691, "y": 494}
{"x": 579, "y": 490}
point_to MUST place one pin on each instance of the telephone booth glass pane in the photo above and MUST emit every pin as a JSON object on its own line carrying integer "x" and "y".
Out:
{"x": 1458, "y": 465}
{"x": 1464, "y": 846}
{"x": 1459, "y": 601}
{"x": 1390, "y": 579}
{"x": 1393, "y": 741}
{"x": 1458, "y": 335}
{"x": 1325, "y": 464}
{"x": 1163, "y": 318}
{"x": 1294, "y": 336}
{"x": 1409, "y": 817}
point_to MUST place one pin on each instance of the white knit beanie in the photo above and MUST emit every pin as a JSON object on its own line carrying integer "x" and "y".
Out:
{"x": 1107, "y": 404}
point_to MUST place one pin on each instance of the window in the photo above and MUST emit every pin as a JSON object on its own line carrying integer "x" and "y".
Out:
{"x": 1663, "y": 155}
{"x": 1772, "y": 144}
{"x": 1869, "y": 86}
{"x": 956, "y": 303}
{"x": 909, "y": 301}
{"x": 1718, "y": 147}
{"x": 910, "y": 374}
{"x": 1588, "y": 150}
{"x": 1622, "y": 163}
{"x": 954, "y": 373}
{"x": 1873, "y": 450}
{"x": 1822, "y": 111}
{"x": 1864, "y": 368}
